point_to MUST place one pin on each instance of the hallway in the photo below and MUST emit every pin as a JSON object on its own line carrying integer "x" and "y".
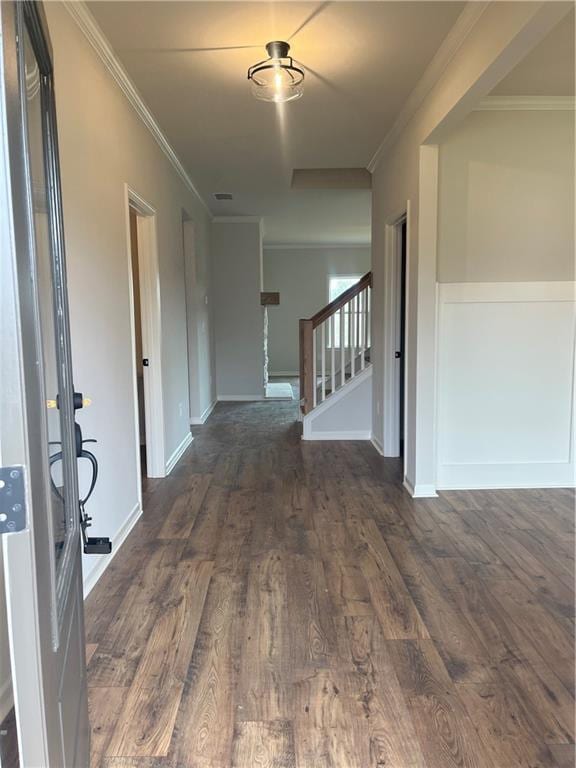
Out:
{"x": 284, "y": 603}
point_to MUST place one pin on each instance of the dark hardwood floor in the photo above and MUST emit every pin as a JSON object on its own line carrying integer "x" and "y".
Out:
{"x": 285, "y": 604}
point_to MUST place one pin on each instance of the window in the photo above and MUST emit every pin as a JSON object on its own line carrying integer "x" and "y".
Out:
{"x": 336, "y": 287}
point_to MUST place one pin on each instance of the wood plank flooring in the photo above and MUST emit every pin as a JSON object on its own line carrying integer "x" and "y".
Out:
{"x": 287, "y": 605}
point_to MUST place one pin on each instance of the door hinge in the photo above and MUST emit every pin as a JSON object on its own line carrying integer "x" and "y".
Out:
{"x": 12, "y": 500}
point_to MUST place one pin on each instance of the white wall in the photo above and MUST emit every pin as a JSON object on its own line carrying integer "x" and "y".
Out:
{"x": 238, "y": 314}
{"x": 506, "y": 198}
{"x": 103, "y": 145}
{"x": 493, "y": 39}
{"x": 506, "y": 301}
{"x": 505, "y": 385}
{"x": 200, "y": 324}
{"x": 345, "y": 415}
{"x": 301, "y": 276}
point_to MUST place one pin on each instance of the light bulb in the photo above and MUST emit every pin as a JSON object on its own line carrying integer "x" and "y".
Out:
{"x": 276, "y": 79}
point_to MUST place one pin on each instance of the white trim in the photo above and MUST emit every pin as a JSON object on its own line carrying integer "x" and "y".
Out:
{"x": 420, "y": 491}
{"x": 103, "y": 561}
{"x": 312, "y": 246}
{"x": 97, "y": 39}
{"x": 351, "y": 435}
{"x": 151, "y": 319}
{"x": 284, "y": 373}
{"x": 450, "y": 45}
{"x": 240, "y": 398}
{"x": 237, "y": 220}
{"x": 6, "y": 698}
{"x": 490, "y": 486}
{"x": 465, "y": 293}
{"x": 202, "y": 419}
{"x": 420, "y": 438}
{"x": 175, "y": 457}
{"x": 377, "y": 444}
{"x": 526, "y": 103}
{"x": 528, "y": 473}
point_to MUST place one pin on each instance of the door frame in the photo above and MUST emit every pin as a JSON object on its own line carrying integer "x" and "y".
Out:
{"x": 151, "y": 320}
{"x": 393, "y": 304}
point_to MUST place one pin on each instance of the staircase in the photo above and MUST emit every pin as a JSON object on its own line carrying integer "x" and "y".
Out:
{"x": 335, "y": 368}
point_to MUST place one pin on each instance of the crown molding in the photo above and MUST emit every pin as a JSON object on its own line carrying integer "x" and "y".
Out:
{"x": 526, "y": 103}
{"x": 97, "y": 39}
{"x": 312, "y": 246}
{"x": 460, "y": 30}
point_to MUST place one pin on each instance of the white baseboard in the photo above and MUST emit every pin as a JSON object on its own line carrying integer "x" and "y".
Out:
{"x": 377, "y": 444}
{"x": 202, "y": 419}
{"x": 358, "y": 435}
{"x": 420, "y": 491}
{"x": 503, "y": 486}
{"x": 103, "y": 561}
{"x": 240, "y": 398}
{"x": 173, "y": 460}
{"x": 6, "y": 698}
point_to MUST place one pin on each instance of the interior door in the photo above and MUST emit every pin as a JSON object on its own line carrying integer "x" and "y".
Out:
{"x": 39, "y": 512}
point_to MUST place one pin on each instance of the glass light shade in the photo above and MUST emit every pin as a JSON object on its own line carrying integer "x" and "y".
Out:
{"x": 277, "y": 79}
{"x": 277, "y": 82}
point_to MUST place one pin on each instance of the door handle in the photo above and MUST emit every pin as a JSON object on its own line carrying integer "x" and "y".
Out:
{"x": 145, "y": 362}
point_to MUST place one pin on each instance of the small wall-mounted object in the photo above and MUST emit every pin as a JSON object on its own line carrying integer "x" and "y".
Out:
{"x": 269, "y": 298}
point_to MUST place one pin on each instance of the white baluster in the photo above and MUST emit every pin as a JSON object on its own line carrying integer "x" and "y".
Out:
{"x": 352, "y": 336}
{"x": 323, "y": 361}
{"x": 362, "y": 329}
{"x": 367, "y": 318}
{"x": 358, "y": 323}
{"x": 332, "y": 354}
{"x": 342, "y": 347}
{"x": 314, "y": 374}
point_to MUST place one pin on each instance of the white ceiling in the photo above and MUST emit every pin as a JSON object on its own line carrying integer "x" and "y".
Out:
{"x": 362, "y": 61}
{"x": 548, "y": 70}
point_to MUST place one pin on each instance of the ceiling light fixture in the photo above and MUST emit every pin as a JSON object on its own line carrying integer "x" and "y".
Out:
{"x": 277, "y": 78}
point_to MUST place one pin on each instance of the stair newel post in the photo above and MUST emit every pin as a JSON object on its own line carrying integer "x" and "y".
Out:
{"x": 307, "y": 366}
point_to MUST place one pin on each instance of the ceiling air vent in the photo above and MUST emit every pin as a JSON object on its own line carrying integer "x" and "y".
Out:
{"x": 223, "y": 196}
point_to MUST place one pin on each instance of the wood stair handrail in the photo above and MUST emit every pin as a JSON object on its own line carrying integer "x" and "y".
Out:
{"x": 307, "y": 354}
{"x": 340, "y": 301}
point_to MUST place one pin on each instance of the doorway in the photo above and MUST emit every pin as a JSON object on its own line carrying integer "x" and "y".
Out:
{"x": 396, "y": 313}
{"x": 144, "y": 282}
{"x": 401, "y": 337}
{"x": 139, "y": 360}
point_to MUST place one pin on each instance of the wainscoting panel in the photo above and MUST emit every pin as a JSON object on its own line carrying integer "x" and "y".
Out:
{"x": 505, "y": 385}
